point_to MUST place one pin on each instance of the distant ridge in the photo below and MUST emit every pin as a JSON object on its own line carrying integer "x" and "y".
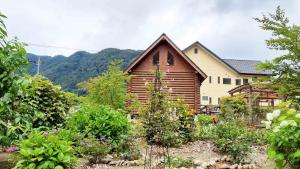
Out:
{"x": 80, "y": 66}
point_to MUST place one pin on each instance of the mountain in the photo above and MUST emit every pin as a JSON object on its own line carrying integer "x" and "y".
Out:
{"x": 80, "y": 66}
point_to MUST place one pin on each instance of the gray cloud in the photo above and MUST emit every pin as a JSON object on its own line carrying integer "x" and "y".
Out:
{"x": 226, "y": 27}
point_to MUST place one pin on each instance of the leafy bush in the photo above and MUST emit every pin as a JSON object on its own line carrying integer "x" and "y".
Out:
{"x": 233, "y": 107}
{"x": 204, "y": 119}
{"x": 178, "y": 162}
{"x": 232, "y": 138}
{"x": 109, "y": 88}
{"x": 101, "y": 122}
{"x": 45, "y": 151}
{"x": 284, "y": 139}
{"x": 13, "y": 79}
{"x": 92, "y": 149}
{"x": 49, "y": 103}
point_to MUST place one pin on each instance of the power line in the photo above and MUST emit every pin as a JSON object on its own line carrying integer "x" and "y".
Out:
{"x": 58, "y": 47}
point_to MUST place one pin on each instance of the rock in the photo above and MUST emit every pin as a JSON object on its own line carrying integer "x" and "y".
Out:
{"x": 251, "y": 166}
{"x": 240, "y": 167}
{"x": 225, "y": 166}
{"x": 234, "y": 166}
{"x": 139, "y": 162}
{"x": 228, "y": 159}
{"x": 246, "y": 166}
{"x": 204, "y": 164}
{"x": 223, "y": 159}
{"x": 197, "y": 162}
{"x": 183, "y": 168}
{"x": 113, "y": 163}
{"x": 199, "y": 167}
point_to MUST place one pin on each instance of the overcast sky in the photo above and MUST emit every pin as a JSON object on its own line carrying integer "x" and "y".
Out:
{"x": 224, "y": 26}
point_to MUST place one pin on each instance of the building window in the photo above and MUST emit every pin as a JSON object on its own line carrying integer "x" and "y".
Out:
{"x": 170, "y": 59}
{"x": 195, "y": 50}
{"x": 209, "y": 79}
{"x": 238, "y": 82}
{"x": 210, "y": 100}
{"x": 205, "y": 98}
{"x": 245, "y": 81}
{"x": 226, "y": 80}
{"x": 219, "y": 100}
{"x": 219, "y": 80}
{"x": 156, "y": 58}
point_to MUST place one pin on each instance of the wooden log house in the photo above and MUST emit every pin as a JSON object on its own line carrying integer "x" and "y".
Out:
{"x": 182, "y": 77}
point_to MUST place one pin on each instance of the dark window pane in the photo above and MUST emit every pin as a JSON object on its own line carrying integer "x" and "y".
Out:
{"x": 245, "y": 81}
{"x": 170, "y": 59}
{"x": 209, "y": 79}
{"x": 226, "y": 81}
{"x": 219, "y": 80}
{"x": 196, "y": 50}
{"x": 238, "y": 82}
{"x": 156, "y": 58}
{"x": 210, "y": 101}
{"x": 204, "y": 98}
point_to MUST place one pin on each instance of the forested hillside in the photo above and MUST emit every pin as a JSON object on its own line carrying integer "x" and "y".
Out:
{"x": 80, "y": 66}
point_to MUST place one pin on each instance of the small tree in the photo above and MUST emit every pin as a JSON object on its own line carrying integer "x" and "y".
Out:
{"x": 109, "y": 88}
{"x": 285, "y": 68}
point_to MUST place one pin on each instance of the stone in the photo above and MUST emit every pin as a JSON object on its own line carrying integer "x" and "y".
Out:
{"x": 240, "y": 167}
{"x": 199, "y": 167}
{"x": 223, "y": 159}
{"x": 204, "y": 164}
{"x": 225, "y": 166}
{"x": 113, "y": 163}
{"x": 183, "y": 168}
{"x": 246, "y": 166}
{"x": 234, "y": 166}
{"x": 197, "y": 162}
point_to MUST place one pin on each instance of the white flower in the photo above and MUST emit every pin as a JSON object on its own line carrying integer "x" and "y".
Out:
{"x": 292, "y": 123}
{"x": 269, "y": 116}
{"x": 284, "y": 123}
{"x": 276, "y": 113}
{"x": 276, "y": 129}
{"x": 267, "y": 123}
{"x": 297, "y": 115}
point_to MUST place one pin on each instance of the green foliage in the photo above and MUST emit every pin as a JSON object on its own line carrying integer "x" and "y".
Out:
{"x": 108, "y": 89}
{"x": 48, "y": 103}
{"x": 286, "y": 79}
{"x": 13, "y": 80}
{"x": 233, "y": 107}
{"x": 204, "y": 119}
{"x": 45, "y": 151}
{"x": 232, "y": 138}
{"x": 68, "y": 71}
{"x": 284, "y": 138}
{"x": 92, "y": 149}
{"x": 167, "y": 122}
{"x": 177, "y": 162}
{"x": 101, "y": 122}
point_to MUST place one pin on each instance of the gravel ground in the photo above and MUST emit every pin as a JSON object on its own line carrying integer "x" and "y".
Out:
{"x": 203, "y": 151}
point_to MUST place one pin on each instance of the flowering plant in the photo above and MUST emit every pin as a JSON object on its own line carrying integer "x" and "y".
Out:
{"x": 284, "y": 140}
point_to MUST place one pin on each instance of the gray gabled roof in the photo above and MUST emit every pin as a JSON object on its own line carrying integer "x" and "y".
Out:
{"x": 239, "y": 66}
{"x": 246, "y": 66}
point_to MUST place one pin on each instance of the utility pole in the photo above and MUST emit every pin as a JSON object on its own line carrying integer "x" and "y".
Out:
{"x": 38, "y": 65}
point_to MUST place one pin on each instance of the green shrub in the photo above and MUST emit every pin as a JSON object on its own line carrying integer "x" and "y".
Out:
{"x": 284, "y": 138}
{"x": 92, "y": 149}
{"x": 205, "y": 132}
{"x": 102, "y": 122}
{"x": 178, "y": 162}
{"x": 45, "y": 151}
{"x": 233, "y": 107}
{"x": 48, "y": 103}
{"x": 232, "y": 138}
{"x": 204, "y": 119}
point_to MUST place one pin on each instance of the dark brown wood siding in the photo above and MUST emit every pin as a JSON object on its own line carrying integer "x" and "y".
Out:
{"x": 180, "y": 79}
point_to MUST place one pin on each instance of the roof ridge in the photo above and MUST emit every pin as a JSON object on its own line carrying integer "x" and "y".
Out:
{"x": 241, "y": 59}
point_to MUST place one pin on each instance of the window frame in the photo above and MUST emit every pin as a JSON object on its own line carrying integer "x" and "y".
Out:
{"x": 172, "y": 58}
{"x": 238, "y": 80}
{"x": 155, "y": 58}
{"x": 227, "y": 79}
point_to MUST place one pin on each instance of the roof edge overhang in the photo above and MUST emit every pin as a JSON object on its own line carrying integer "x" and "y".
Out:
{"x": 164, "y": 37}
